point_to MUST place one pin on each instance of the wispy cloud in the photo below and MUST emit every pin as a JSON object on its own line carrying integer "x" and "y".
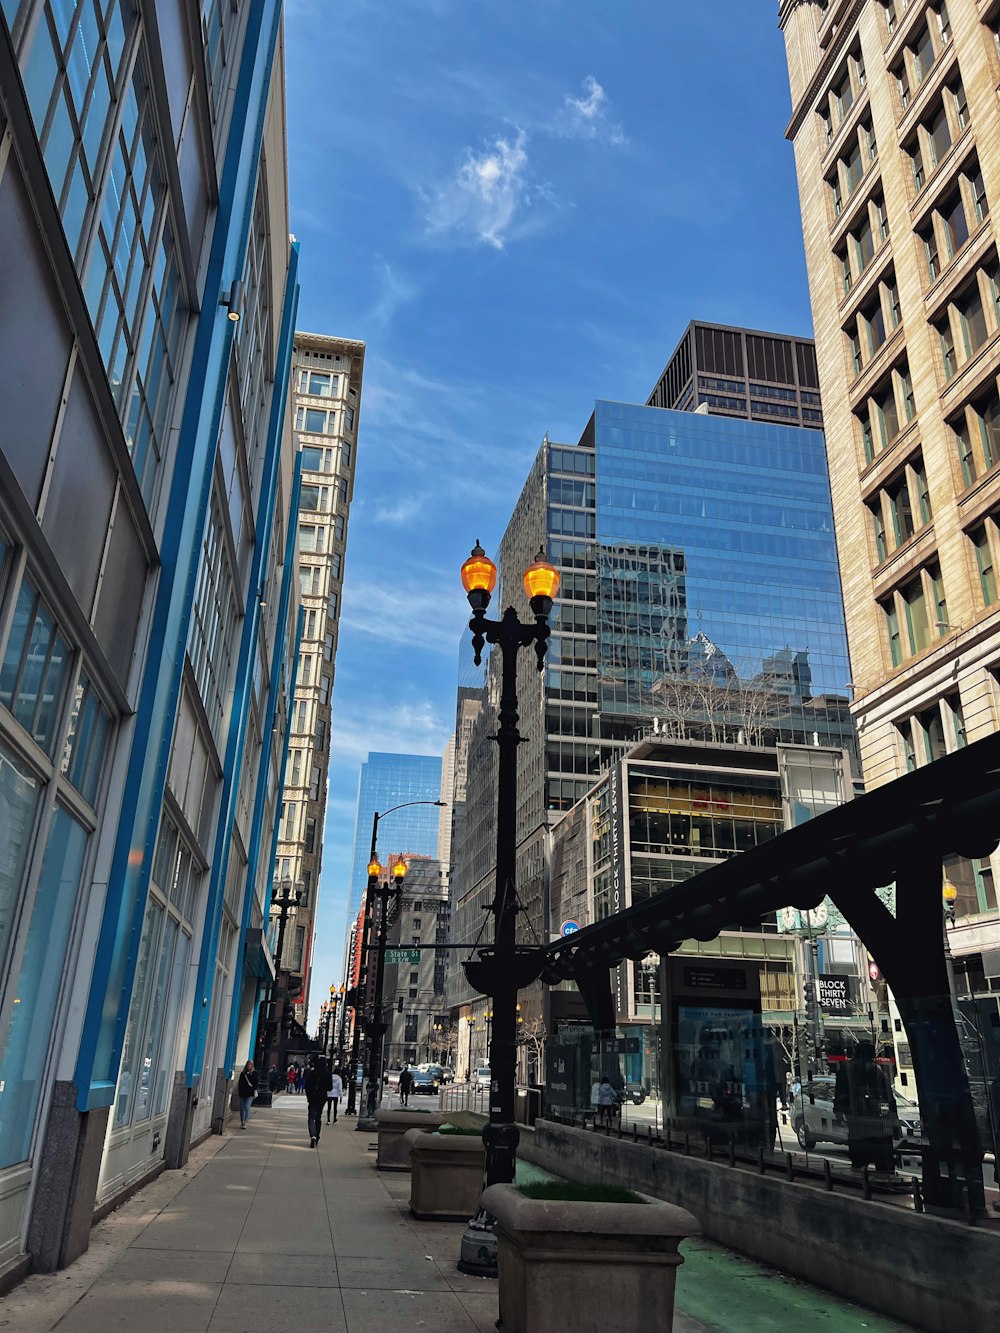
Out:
{"x": 589, "y": 117}
{"x": 409, "y": 726}
{"x": 401, "y": 511}
{"x": 488, "y": 193}
{"x": 425, "y": 612}
{"x": 394, "y": 290}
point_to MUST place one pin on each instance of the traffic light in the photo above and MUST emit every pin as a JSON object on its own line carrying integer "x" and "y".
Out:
{"x": 399, "y": 1005}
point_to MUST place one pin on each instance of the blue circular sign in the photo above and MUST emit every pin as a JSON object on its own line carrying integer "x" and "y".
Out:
{"x": 569, "y": 928}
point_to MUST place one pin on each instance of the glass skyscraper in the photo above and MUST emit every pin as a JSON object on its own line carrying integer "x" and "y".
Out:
{"x": 699, "y": 598}
{"x": 718, "y": 598}
{"x": 387, "y": 780}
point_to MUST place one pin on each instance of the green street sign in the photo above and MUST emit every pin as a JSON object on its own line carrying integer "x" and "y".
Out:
{"x": 402, "y": 955}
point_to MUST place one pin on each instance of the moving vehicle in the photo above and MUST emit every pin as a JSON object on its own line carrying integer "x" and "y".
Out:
{"x": 482, "y": 1076}
{"x": 424, "y": 1083}
{"x": 814, "y": 1121}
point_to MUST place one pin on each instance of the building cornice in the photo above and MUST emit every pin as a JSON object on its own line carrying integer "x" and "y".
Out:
{"x": 825, "y": 67}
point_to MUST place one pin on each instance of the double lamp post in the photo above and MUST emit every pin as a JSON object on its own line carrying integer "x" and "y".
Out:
{"x": 371, "y": 1018}
{"x": 502, "y": 969}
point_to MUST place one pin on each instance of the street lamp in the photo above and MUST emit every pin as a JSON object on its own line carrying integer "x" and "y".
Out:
{"x": 388, "y": 893}
{"x": 374, "y": 870}
{"x": 502, "y": 970}
{"x": 289, "y": 896}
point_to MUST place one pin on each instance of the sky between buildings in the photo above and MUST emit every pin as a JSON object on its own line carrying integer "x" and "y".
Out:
{"x": 519, "y": 208}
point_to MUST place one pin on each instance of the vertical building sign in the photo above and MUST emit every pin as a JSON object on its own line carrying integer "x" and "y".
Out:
{"x": 617, "y": 811}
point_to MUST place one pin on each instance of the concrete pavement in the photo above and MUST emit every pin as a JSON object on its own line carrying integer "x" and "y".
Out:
{"x": 263, "y": 1232}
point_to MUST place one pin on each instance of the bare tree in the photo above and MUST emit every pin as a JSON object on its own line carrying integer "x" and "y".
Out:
{"x": 531, "y": 1036}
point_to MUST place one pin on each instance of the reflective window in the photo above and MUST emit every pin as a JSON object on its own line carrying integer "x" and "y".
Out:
{"x": 24, "y": 1046}
{"x": 132, "y": 282}
{"x": 89, "y": 728}
{"x": 34, "y": 667}
{"x": 19, "y": 792}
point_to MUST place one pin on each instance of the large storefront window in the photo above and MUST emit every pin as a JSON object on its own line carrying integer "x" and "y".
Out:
{"x": 144, "y": 1080}
{"x": 24, "y": 1045}
{"x": 19, "y": 793}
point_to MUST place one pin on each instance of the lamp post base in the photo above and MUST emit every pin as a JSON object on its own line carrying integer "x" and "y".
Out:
{"x": 367, "y": 1123}
{"x": 479, "y": 1246}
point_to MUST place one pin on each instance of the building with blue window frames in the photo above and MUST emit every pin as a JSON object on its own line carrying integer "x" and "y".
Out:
{"x": 149, "y": 612}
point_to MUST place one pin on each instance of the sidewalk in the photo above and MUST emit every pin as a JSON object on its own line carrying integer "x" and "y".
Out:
{"x": 263, "y": 1232}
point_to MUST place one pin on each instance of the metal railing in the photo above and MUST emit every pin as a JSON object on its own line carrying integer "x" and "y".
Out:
{"x": 465, "y": 1097}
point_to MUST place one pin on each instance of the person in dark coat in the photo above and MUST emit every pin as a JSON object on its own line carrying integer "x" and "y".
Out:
{"x": 247, "y": 1089}
{"x": 316, "y": 1085}
{"x": 405, "y": 1087}
{"x": 863, "y": 1097}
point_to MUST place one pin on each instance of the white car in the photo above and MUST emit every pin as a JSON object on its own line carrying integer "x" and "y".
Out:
{"x": 482, "y": 1076}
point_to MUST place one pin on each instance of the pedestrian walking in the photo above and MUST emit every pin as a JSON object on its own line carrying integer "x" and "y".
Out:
{"x": 334, "y": 1095}
{"x": 316, "y": 1082}
{"x": 246, "y": 1088}
{"x": 273, "y": 1079}
{"x": 300, "y": 1078}
{"x": 290, "y": 1080}
{"x": 863, "y": 1097}
{"x": 602, "y": 1099}
{"x": 405, "y": 1087}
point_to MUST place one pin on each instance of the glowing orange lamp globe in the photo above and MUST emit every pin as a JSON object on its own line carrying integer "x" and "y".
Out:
{"x": 479, "y": 573}
{"x": 541, "y": 579}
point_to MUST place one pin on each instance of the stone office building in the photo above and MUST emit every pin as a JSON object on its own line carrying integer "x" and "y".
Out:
{"x": 148, "y": 596}
{"x": 896, "y": 129}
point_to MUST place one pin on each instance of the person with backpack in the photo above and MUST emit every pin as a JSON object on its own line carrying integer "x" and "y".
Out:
{"x": 316, "y": 1085}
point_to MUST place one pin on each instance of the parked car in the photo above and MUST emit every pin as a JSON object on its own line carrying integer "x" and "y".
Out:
{"x": 441, "y": 1075}
{"x": 482, "y": 1076}
{"x": 814, "y": 1120}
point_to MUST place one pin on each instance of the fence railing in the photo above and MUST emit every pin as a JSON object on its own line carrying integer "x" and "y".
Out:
{"x": 465, "y": 1097}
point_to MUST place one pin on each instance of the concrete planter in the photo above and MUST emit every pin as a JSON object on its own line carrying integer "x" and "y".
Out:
{"x": 446, "y": 1179}
{"x": 614, "y": 1265}
{"x": 393, "y": 1150}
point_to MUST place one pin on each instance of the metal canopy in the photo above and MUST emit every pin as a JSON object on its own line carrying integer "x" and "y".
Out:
{"x": 898, "y": 834}
{"x": 949, "y": 807}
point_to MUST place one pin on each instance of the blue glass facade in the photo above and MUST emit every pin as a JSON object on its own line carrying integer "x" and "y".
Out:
{"x": 718, "y": 588}
{"x": 387, "y": 780}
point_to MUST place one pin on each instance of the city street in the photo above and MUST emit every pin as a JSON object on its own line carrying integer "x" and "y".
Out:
{"x": 260, "y": 1231}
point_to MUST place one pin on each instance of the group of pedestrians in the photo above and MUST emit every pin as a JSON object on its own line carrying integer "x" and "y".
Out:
{"x": 322, "y": 1087}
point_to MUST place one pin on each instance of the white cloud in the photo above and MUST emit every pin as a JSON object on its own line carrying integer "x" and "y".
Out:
{"x": 486, "y": 195}
{"x": 400, "y": 511}
{"x": 406, "y": 726}
{"x": 588, "y": 117}
{"x": 394, "y": 290}
{"x": 428, "y": 613}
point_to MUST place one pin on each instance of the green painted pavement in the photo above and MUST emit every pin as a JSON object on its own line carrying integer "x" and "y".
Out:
{"x": 727, "y": 1293}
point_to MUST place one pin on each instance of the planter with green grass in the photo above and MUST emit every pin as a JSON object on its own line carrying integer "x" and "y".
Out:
{"x": 393, "y": 1150}
{"x": 446, "y": 1172}
{"x": 609, "y": 1255}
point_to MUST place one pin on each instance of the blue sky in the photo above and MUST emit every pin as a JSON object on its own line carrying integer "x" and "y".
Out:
{"x": 518, "y": 206}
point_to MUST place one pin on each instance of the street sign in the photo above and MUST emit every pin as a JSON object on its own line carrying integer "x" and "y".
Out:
{"x": 873, "y": 971}
{"x": 402, "y": 955}
{"x": 569, "y": 928}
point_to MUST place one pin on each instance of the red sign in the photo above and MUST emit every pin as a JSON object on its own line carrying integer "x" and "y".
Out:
{"x": 873, "y": 971}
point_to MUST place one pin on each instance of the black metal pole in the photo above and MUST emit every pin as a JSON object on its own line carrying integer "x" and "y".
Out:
{"x": 284, "y": 903}
{"x": 378, "y": 1021}
{"x": 352, "y": 1092}
{"x": 501, "y": 1134}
